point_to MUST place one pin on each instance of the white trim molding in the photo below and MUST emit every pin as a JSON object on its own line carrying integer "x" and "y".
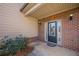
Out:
{"x": 59, "y": 31}
{"x": 33, "y": 8}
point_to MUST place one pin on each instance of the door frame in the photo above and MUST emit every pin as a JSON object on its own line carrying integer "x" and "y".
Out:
{"x": 55, "y": 34}
{"x": 59, "y": 31}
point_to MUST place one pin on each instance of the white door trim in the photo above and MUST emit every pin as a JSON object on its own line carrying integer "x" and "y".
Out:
{"x": 59, "y": 34}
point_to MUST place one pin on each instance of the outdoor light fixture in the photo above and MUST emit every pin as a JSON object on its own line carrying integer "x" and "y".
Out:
{"x": 71, "y": 17}
{"x": 39, "y": 23}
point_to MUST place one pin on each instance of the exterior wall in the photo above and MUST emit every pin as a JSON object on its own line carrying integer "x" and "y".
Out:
{"x": 32, "y": 39}
{"x": 41, "y": 31}
{"x": 70, "y": 29}
{"x": 13, "y": 22}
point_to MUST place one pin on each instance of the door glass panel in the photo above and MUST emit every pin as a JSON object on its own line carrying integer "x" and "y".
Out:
{"x": 52, "y": 29}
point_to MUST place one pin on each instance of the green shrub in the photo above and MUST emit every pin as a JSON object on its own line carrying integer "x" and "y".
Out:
{"x": 12, "y": 45}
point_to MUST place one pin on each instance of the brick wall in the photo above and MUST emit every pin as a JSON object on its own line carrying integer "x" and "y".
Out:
{"x": 70, "y": 29}
{"x": 32, "y": 39}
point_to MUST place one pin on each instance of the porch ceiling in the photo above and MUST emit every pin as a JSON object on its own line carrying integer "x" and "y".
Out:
{"x": 40, "y": 11}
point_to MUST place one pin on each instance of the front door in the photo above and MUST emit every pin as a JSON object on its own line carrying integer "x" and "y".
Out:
{"x": 52, "y": 32}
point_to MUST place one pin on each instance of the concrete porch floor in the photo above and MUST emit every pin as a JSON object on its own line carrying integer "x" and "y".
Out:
{"x": 42, "y": 49}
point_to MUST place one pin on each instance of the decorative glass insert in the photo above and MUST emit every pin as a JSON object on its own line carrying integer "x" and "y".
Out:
{"x": 52, "y": 29}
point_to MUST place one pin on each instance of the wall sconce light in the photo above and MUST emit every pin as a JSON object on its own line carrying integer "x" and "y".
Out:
{"x": 39, "y": 23}
{"x": 71, "y": 17}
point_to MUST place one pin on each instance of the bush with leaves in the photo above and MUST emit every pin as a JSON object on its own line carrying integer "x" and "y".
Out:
{"x": 12, "y": 45}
